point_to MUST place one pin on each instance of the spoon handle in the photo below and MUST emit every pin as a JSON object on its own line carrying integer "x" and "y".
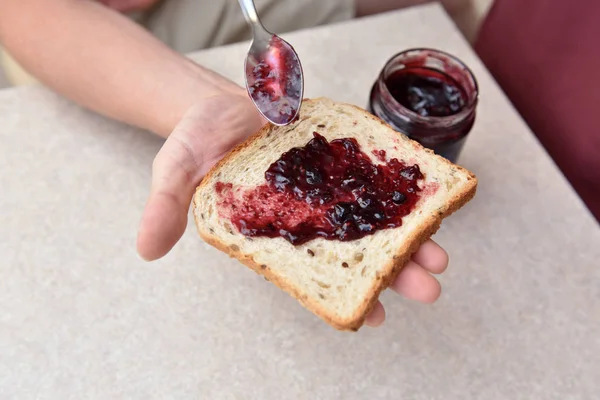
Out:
{"x": 249, "y": 10}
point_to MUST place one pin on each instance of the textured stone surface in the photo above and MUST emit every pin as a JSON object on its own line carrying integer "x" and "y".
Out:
{"x": 81, "y": 317}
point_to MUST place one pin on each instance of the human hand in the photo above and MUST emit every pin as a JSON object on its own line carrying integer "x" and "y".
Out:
{"x": 207, "y": 131}
{"x": 415, "y": 281}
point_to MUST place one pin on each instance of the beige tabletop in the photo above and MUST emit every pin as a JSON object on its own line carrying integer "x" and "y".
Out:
{"x": 81, "y": 317}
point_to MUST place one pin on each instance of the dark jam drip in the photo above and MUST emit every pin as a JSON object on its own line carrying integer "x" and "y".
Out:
{"x": 329, "y": 190}
{"x": 427, "y": 92}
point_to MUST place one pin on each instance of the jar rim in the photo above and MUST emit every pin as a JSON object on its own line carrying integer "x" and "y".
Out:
{"x": 467, "y": 109}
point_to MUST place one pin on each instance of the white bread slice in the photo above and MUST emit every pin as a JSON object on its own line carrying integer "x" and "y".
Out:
{"x": 341, "y": 295}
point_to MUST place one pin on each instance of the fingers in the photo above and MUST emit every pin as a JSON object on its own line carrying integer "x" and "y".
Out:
{"x": 175, "y": 173}
{"x": 415, "y": 283}
{"x": 376, "y": 316}
{"x": 432, "y": 257}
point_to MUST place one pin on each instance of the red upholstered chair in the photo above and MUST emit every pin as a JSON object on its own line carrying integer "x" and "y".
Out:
{"x": 546, "y": 56}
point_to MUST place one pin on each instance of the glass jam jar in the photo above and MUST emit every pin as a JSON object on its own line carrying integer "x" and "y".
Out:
{"x": 430, "y": 96}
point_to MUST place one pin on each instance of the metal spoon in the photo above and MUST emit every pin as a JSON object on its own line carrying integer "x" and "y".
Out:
{"x": 274, "y": 78}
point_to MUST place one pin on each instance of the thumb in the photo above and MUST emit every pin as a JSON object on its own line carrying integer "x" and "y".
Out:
{"x": 176, "y": 171}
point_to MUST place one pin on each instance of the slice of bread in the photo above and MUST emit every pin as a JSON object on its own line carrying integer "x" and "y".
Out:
{"x": 339, "y": 281}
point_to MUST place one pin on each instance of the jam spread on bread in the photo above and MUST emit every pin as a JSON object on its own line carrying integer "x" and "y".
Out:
{"x": 325, "y": 189}
{"x": 427, "y": 92}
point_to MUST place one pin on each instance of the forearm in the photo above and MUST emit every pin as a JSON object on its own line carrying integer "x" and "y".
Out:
{"x": 105, "y": 62}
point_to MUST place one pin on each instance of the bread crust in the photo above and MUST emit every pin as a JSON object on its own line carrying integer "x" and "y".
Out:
{"x": 423, "y": 232}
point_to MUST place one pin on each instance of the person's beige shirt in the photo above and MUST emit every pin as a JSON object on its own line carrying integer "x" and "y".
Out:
{"x": 190, "y": 25}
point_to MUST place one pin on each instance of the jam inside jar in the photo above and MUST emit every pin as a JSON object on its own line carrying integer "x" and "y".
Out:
{"x": 430, "y": 96}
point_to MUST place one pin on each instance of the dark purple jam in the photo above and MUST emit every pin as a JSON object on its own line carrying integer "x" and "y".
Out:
{"x": 325, "y": 189}
{"x": 427, "y": 92}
